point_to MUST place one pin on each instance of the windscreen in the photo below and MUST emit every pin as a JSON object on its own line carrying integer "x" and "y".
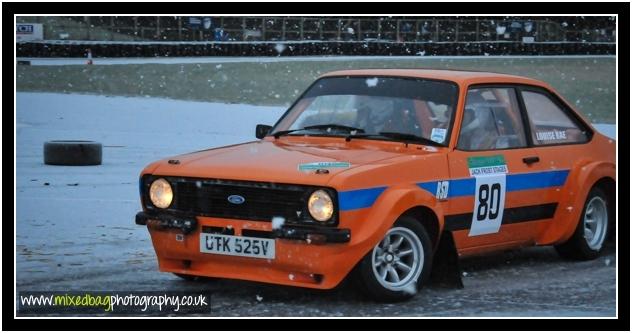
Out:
{"x": 374, "y": 105}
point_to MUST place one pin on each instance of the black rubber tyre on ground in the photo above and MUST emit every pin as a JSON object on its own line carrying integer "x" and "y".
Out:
{"x": 72, "y": 152}
{"x": 193, "y": 278}
{"x": 587, "y": 242}
{"x": 399, "y": 265}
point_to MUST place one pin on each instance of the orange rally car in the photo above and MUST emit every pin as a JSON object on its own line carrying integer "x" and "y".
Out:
{"x": 370, "y": 171}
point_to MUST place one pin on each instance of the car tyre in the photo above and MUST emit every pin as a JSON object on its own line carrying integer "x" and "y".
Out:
{"x": 193, "y": 278}
{"x": 587, "y": 242}
{"x": 399, "y": 264}
{"x": 72, "y": 152}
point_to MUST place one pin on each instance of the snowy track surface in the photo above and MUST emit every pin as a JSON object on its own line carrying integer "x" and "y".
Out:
{"x": 75, "y": 225}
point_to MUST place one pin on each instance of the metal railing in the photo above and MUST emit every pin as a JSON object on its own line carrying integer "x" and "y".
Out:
{"x": 397, "y": 29}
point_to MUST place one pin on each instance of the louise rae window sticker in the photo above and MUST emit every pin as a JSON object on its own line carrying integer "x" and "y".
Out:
{"x": 550, "y": 135}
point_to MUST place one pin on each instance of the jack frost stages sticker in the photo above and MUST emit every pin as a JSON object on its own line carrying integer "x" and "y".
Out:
{"x": 489, "y": 200}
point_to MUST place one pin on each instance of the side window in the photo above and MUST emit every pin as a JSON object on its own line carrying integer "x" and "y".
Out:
{"x": 549, "y": 123}
{"x": 491, "y": 120}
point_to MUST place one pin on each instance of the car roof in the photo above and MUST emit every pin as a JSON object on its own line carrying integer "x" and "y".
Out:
{"x": 461, "y": 77}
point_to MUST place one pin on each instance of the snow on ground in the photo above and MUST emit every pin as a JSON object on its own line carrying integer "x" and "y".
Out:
{"x": 75, "y": 225}
{"x": 203, "y": 60}
{"x": 89, "y": 220}
{"x": 607, "y": 129}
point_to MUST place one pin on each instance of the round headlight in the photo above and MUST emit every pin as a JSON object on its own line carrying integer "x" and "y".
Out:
{"x": 160, "y": 193}
{"x": 320, "y": 206}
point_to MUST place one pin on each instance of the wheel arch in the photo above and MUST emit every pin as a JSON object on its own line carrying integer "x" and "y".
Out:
{"x": 428, "y": 219}
{"x": 608, "y": 185}
{"x": 579, "y": 184}
{"x": 395, "y": 202}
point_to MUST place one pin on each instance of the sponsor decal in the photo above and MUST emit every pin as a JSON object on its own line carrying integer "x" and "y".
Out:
{"x": 323, "y": 165}
{"x": 489, "y": 204}
{"x": 442, "y": 189}
{"x": 490, "y": 173}
{"x": 29, "y": 31}
{"x": 438, "y": 134}
{"x": 486, "y": 165}
{"x": 550, "y": 135}
{"x": 24, "y": 29}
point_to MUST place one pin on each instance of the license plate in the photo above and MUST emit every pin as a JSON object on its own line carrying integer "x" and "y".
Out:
{"x": 237, "y": 246}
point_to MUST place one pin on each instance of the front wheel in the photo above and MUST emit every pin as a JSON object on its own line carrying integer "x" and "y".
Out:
{"x": 399, "y": 264}
{"x": 592, "y": 230}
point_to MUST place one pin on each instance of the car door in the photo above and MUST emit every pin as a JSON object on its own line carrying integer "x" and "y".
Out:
{"x": 558, "y": 135}
{"x": 497, "y": 187}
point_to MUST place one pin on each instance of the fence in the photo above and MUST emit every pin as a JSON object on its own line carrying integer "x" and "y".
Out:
{"x": 401, "y": 29}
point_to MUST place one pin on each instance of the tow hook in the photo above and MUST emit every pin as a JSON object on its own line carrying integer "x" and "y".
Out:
{"x": 186, "y": 224}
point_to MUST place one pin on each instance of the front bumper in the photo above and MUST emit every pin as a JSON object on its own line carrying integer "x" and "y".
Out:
{"x": 185, "y": 224}
{"x": 311, "y": 235}
{"x": 306, "y": 257}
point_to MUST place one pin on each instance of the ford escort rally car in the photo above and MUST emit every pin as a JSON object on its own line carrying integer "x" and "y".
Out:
{"x": 370, "y": 170}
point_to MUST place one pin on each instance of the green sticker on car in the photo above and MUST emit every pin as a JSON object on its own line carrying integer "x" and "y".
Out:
{"x": 486, "y": 165}
{"x": 323, "y": 165}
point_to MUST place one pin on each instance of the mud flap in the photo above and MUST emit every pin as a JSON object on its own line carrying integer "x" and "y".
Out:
{"x": 446, "y": 271}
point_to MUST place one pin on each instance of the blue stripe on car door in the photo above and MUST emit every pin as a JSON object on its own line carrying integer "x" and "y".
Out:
{"x": 364, "y": 198}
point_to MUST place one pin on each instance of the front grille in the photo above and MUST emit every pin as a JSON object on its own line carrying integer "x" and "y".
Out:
{"x": 263, "y": 200}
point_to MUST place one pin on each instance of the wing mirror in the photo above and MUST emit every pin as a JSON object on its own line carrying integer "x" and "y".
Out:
{"x": 262, "y": 131}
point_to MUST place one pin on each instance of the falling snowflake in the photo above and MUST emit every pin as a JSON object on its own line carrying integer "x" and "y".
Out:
{"x": 372, "y": 82}
{"x": 277, "y": 222}
{"x": 279, "y": 48}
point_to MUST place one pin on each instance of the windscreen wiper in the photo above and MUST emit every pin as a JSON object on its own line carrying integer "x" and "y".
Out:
{"x": 336, "y": 126}
{"x": 281, "y": 133}
{"x": 405, "y": 137}
{"x": 318, "y": 127}
{"x": 409, "y": 137}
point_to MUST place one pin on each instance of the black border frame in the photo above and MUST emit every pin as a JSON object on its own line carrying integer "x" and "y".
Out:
{"x": 623, "y": 295}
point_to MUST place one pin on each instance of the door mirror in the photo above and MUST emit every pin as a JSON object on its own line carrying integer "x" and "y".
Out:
{"x": 262, "y": 131}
